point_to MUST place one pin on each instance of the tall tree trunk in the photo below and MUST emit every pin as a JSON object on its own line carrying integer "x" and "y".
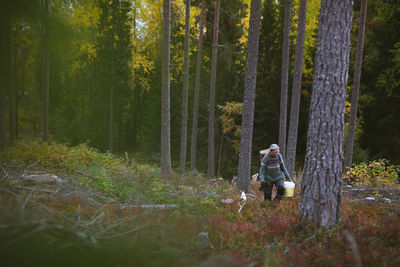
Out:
{"x": 249, "y": 97}
{"x": 221, "y": 144}
{"x": 3, "y": 75}
{"x": 17, "y": 99}
{"x": 193, "y": 147}
{"x": 211, "y": 168}
{"x": 211, "y": 117}
{"x": 45, "y": 69}
{"x": 182, "y": 158}
{"x": 297, "y": 75}
{"x": 110, "y": 119}
{"x": 165, "y": 97}
{"x": 11, "y": 87}
{"x": 356, "y": 86}
{"x": 320, "y": 198}
{"x": 285, "y": 77}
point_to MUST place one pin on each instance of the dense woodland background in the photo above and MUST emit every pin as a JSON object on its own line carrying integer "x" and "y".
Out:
{"x": 104, "y": 73}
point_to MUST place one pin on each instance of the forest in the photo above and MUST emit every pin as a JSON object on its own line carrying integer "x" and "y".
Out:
{"x": 165, "y": 102}
{"x": 96, "y": 48}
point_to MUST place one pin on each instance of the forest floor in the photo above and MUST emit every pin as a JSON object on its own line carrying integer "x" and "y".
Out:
{"x": 48, "y": 218}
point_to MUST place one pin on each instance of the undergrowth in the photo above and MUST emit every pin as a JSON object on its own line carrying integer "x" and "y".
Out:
{"x": 263, "y": 233}
{"x": 377, "y": 173}
{"x": 130, "y": 182}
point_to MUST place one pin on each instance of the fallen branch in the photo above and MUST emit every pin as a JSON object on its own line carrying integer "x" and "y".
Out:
{"x": 95, "y": 219}
{"x": 5, "y": 173}
{"x": 33, "y": 164}
{"x": 309, "y": 238}
{"x": 36, "y": 189}
{"x": 84, "y": 173}
{"x": 119, "y": 222}
{"x": 10, "y": 192}
{"x": 26, "y": 235}
{"x": 148, "y": 206}
{"x": 130, "y": 231}
{"x": 26, "y": 200}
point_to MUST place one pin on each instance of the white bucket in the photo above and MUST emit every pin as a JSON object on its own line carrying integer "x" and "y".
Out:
{"x": 289, "y": 188}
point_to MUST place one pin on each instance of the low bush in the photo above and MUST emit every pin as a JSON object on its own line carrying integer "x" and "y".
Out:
{"x": 378, "y": 173}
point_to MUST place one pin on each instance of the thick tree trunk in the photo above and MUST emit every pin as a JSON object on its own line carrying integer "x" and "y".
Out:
{"x": 165, "y": 96}
{"x": 297, "y": 75}
{"x": 249, "y": 97}
{"x": 211, "y": 161}
{"x": 45, "y": 70}
{"x": 193, "y": 147}
{"x": 285, "y": 78}
{"x": 320, "y": 198}
{"x": 182, "y": 158}
{"x": 356, "y": 86}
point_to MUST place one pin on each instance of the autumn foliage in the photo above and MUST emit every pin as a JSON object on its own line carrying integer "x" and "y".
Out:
{"x": 263, "y": 233}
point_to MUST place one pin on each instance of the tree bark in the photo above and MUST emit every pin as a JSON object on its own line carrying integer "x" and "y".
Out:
{"x": 211, "y": 161}
{"x": 111, "y": 115}
{"x": 3, "y": 75}
{"x": 356, "y": 86}
{"x": 45, "y": 70}
{"x": 11, "y": 80}
{"x": 285, "y": 78}
{"x": 296, "y": 89}
{"x": 249, "y": 98}
{"x": 320, "y": 197}
{"x": 182, "y": 159}
{"x": 165, "y": 96}
{"x": 193, "y": 147}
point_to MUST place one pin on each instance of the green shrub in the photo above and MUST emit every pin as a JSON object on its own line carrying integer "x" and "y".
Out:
{"x": 378, "y": 173}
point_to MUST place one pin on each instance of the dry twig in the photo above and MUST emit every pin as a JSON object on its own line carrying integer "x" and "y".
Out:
{"x": 353, "y": 245}
{"x": 130, "y": 231}
{"x": 5, "y": 172}
{"x": 36, "y": 189}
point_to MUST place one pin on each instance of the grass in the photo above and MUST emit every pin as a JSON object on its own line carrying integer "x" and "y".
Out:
{"x": 263, "y": 233}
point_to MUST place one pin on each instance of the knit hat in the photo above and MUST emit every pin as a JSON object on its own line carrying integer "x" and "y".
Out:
{"x": 274, "y": 147}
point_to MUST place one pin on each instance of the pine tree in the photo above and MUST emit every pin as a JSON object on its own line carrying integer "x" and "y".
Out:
{"x": 182, "y": 158}
{"x": 45, "y": 69}
{"x": 356, "y": 86}
{"x": 297, "y": 76}
{"x": 165, "y": 101}
{"x": 211, "y": 118}
{"x": 320, "y": 197}
{"x": 285, "y": 77}
{"x": 193, "y": 147}
{"x": 3, "y": 75}
{"x": 249, "y": 97}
